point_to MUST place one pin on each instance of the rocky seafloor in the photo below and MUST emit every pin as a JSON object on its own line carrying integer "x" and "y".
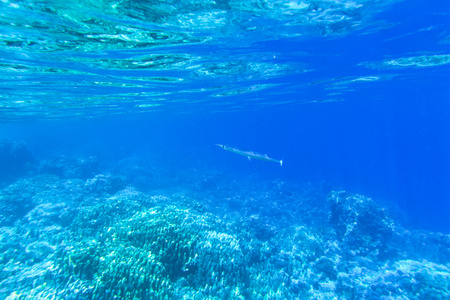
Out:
{"x": 71, "y": 231}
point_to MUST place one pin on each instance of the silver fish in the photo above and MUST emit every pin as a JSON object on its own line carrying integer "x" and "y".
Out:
{"x": 250, "y": 154}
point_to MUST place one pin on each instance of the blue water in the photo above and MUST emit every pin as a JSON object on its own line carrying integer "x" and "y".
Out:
{"x": 351, "y": 95}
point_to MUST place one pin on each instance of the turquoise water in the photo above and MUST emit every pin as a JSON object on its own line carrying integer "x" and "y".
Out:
{"x": 112, "y": 187}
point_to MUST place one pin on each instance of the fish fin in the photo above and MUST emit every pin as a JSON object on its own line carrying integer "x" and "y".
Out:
{"x": 281, "y": 163}
{"x": 249, "y": 158}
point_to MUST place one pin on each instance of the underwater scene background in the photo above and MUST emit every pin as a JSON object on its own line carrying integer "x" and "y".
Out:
{"x": 112, "y": 185}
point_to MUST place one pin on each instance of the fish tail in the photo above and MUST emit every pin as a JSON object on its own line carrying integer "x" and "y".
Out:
{"x": 281, "y": 163}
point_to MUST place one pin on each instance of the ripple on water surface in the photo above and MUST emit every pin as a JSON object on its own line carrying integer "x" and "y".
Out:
{"x": 60, "y": 55}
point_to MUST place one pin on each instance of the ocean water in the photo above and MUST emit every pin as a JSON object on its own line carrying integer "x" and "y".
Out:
{"x": 112, "y": 185}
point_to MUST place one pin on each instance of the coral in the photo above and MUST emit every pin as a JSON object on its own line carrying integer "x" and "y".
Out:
{"x": 144, "y": 256}
{"x": 15, "y": 202}
{"x": 99, "y": 239}
{"x": 139, "y": 173}
{"x": 327, "y": 267}
{"x": 105, "y": 184}
{"x": 41, "y": 198}
{"x": 69, "y": 167}
{"x": 360, "y": 223}
{"x": 404, "y": 279}
{"x": 26, "y": 276}
{"x": 39, "y": 249}
{"x": 97, "y": 214}
{"x": 416, "y": 245}
{"x": 48, "y": 214}
{"x": 261, "y": 227}
{"x": 15, "y": 160}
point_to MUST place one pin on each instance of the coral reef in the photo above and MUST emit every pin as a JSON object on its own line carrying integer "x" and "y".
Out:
{"x": 101, "y": 238}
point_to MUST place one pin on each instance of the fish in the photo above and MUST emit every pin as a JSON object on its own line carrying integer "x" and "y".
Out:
{"x": 251, "y": 154}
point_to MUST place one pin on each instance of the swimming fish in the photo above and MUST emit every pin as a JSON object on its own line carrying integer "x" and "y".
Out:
{"x": 250, "y": 154}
